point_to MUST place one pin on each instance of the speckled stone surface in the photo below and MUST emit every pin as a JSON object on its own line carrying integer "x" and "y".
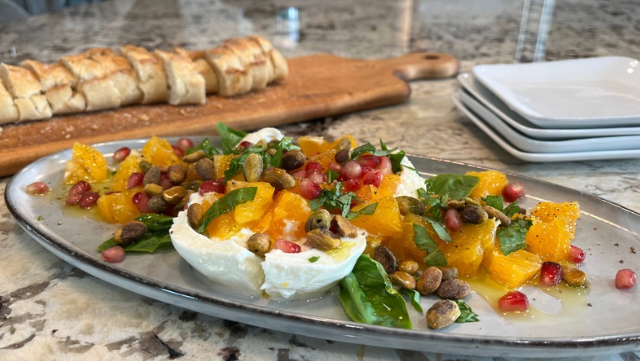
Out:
{"x": 50, "y": 310}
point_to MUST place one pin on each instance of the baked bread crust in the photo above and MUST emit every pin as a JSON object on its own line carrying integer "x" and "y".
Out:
{"x": 8, "y": 110}
{"x": 93, "y": 81}
{"x": 202, "y": 67}
{"x": 233, "y": 79}
{"x": 121, "y": 74}
{"x": 186, "y": 85}
{"x": 26, "y": 91}
{"x": 57, "y": 83}
{"x": 253, "y": 60}
{"x": 152, "y": 79}
{"x": 279, "y": 63}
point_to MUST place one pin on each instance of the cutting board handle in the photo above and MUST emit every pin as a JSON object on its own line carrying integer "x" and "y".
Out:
{"x": 423, "y": 65}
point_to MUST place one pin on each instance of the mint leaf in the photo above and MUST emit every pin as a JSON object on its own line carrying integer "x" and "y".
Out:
{"x": 368, "y": 296}
{"x": 368, "y": 210}
{"x": 512, "y": 238}
{"x": 414, "y": 297}
{"x": 205, "y": 145}
{"x": 466, "y": 313}
{"x": 314, "y": 259}
{"x": 229, "y": 137}
{"x": 455, "y": 185}
{"x": 226, "y": 204}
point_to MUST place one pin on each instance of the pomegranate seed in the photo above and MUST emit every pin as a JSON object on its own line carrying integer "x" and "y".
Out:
{"x": 81, "y": 187}
{"x": 366, "y": 169}
{"x": 89, "y": 199}
{"x": 113, "y": 254}
{"x": 245, "y": 144}
{"x": 317, "y": 178}
{"x": 313, "y": 167}
{"x": 576, "y": 255}
{"x": 179, "y": 152}
{"x": 73, "y": 199}
{"x": 512, "y": 192}
{"x": 301, "y": 174}
{"x": 453, "y": 219}
{"x": 309, "y": 189}
{"x": 385, "y": 167}
{"x": 121, "y": 154}
{"x": 374, "y": 178}
{"x": 550, "y": 274}
{"x": 287, "y": 246}
{"x": 513, "y": 301}
{"x": 135, "y": 180}
{"x": 37, "y": 188}
{"x": 165, "y": 182}
{"x": 141, "y": 202}
{"x": 334, "y": 166}
{"x": 352, "y": 185}
{"x": 625, "y": 278}
{"x": 211, "y": 186}
{"x": 351, "y": 170}
{"x": 368, "y": 161}
{"x": 184, "y": 144}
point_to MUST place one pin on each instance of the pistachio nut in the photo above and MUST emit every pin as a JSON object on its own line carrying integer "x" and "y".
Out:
{"x": 386, "y": 258}
{"x": 152, "y": 189}
{"x": 320, "y": 219}
{"x": 342, "y": 227}
{"x": 410, "y": 205}
{"x": 177, "y": 173}
{"x": 293, "y": 159}
{"x": 252, "y": 167}
{"x": 403, "y": 280}
{"x": 323, "y": 239}
{"x": 206, "y": 169}
{"x": 152, "y": 176}
{"x": 131, "y": 232}
{"x": 194, "y": 157}
{"x": 473, "y": 214}
{"x": 442, "y": 314}
{"x": 174, "y": 195}
{"x": 194, "y": 214}
{"x": 343, "y": 156}
{"x": 259, "y": 243}
{"x": 278, "y": 178}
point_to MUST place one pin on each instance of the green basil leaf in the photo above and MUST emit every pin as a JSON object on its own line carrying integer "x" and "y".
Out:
{"x": 156, "y": 222}
{"x": 314, "y": 259}
{"x": 285, "y": 144}
{"x": 365, "y": 148}
{"x": 396, "y": 160}
{"x": 466, "y": 313}
{"x": 235, "y": 166}
{"x": 111, "y": 242}
{"x": 150, "y": 243}
{"x": 332, "y": 175}
{"x": 440, "y": 229}
{"x": 512, "y": 238}
{"x": 368, "y": 210}
{"x": 226, "y": 204}
{"x": 414, "y": 297}
{"x": 229, "y": 137}
{"x": 457, "y": 186}
{"x": 511, "y": 209}
{"x": 422, "y": 239}
{"x": 368, "y": 296}
{"x": 496, "y": 202}
{"x": 205, "y": 145}
{"x": 436, "y": 259}
{"x": 317, "y": 202}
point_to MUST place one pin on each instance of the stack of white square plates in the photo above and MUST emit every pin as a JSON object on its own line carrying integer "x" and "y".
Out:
{"x": 569, "y": 110}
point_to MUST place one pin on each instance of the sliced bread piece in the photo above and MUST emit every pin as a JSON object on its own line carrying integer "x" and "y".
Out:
{"x": 94, "y": 82}
{"x": 8, "y": 110}
{"x": 202, "y": 67}
{"x": 253, "y": 60}
{"x": 151, "y": 74}
{"x": 26, "y": 91}
{"x": 280, "y": 65}
{"x": 58, "y": 83}
{"x": 233, "y": 79}
{"x": 186, "y": 85}
{"x": 121, "y": 73}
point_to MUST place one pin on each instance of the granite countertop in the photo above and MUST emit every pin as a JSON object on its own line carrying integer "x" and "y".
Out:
{"x": 51, "y": 310}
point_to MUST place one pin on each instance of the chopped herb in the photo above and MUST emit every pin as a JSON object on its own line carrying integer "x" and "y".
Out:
{"x": 157, "y": 237}
{"x": 334, "y": 198}
{"x": 466, "y": 313}
{"x": 436, "y": 259}
{"x": 496, "y": 202}
{"x": 440, "y": 229}
{"x": 455, "y": 185}
{"x": 314, "y": 259}
{"x": 229, "y": 137}
{"x": 226, "y": 204}
{"x": 512, "y": 238}
{"x": 414, "y": 297}
{"x": 511, "y": 209}
{"x": 285, "y": 144}
{"x": 423, "y": 241}
{"x": 208, "y": 149}
{"x": 369, "y": 148}
{"x": 40, "y": 218}
{"x": 332, "y": 175}
{"x": 435, "y": 205}
{"x": 368, "y": 210}
{"x": 396, "y": 158}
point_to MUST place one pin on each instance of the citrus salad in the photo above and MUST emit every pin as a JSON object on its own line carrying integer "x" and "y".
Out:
{"x": 275, "y": 217}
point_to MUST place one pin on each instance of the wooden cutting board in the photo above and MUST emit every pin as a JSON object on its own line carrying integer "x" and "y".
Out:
{"x": 318, "y": 86}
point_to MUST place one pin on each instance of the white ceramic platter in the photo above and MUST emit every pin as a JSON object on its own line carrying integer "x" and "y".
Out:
{"x": 582, "y": 93}
{"x": 527, "y": 144}
{"x": 539, "y": 157}
{"x": 499, "y": 108}
{"x": 609, "y": 325}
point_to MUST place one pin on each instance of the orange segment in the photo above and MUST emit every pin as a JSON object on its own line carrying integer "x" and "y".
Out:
{"x": 550, "y": 240}
{"x": 127, "y": 167}
{"x": 118, "y": 207}
{"x": 288, "y": 216}
{"x": 513, "y": 270}
{"x": 568, "y": 212}
{"x": 311, "y": 146}
{"x": 385, "y": 221}
{"x": 254, "y": 210}
{"x": 491, "y": 183}
{"x": 387, "y": 189}
{"x": 324, "y": 158}
{"x": 404, "y": 247}
{"x": 223, "y": 227}
{"x": 158, "y": 151}
{"x": 221, "y": 164}
{"x": 86, "y": 164}
{"x": 468, "y": 246}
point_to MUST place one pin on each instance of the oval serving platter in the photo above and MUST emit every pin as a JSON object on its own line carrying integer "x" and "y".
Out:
{"x": 603, "y": 321}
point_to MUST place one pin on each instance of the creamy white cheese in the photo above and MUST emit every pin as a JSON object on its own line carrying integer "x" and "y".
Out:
{"x": 268, "y": 134}
{"x": 410, "y": 180}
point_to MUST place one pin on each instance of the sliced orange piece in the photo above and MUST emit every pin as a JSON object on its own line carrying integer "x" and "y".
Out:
{"x": 86, "y": 164}
{"x": 513, "y": 270}
{"x": 118, "y": 207}
{"x": 385, "y": 221}
{"x": 491, "y": 183}
{"x": 158, "y": 151}
{"x": 130, "y": 165}
{"x": 469, "y": 243}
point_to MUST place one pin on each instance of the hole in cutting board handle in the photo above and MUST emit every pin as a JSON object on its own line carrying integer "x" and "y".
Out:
{"x": 431, "y": 57}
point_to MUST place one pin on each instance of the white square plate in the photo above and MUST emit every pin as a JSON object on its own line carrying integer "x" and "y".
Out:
{"x": 581, "y": 93}
{"x": 499, "y": 108}
{"x": 541, "y": 157}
